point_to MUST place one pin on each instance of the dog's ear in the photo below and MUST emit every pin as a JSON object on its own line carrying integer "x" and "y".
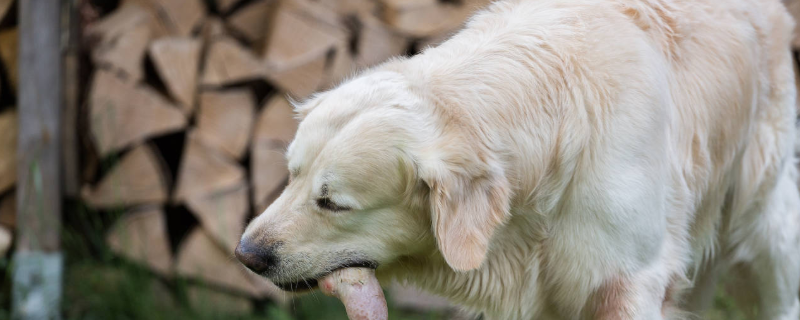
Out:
{"x": 469, "y": 200}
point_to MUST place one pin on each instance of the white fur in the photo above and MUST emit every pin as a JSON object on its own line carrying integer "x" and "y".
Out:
{"x": 562, "y": 159}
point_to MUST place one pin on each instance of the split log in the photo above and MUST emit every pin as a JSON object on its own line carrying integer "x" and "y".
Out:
{"x": 8, "y": 149}
{"x": 275, "y": 129}
{"x": 222, "y": 214}
{"x": 4, "y": 6}
{"x": 177, "y": 17}
{"x": 435, "y": 40}
{"x": 8, "y": 210}
{"x": 8, "y": 53}
{"x": 225, "y": 120}
{"x": 224, "y": 5}
{"x": 204, "y": 171}
{"x": 212, "y": 29}
{"x": 200, "y": 257}
{"x": 121, "y": 47}
{"x": 177, "y": 61}
{"x": 794, "y": 9}
{"x": 422, "y": 18}
{"x": 110, "y": 27}
{"x": 298, "y": 47}
{"x": 5, "y": 240}
{"x": 141, "y": 236}
{"x": 301, "y": 78}
{"x": 340, "y": 66}
{"x": 294, "y": 37}
{"x": 210, "y": 300}
{"x": 138, "y": 178}
{"x": 251, "y": 21}
{"x": 228, "y": 62}
{"x": 121, "y": 114}
{"x": 377, "y": 43}
{"x": 351, "y": 7}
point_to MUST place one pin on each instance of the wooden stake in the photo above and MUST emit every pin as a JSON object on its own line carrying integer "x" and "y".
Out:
{"x": 137, "y": 179}
{"x": 121, "y": 114}
{"x": 177, "y": 61}
{"x": 141, "y": 236}
{"x": 200, "y": 257}
{"x": 36, "y": 292}
{"x": 8, "y": 149}
{"x": 222, "y": 214}
{"x": 204, "y": 171}
{"x": 225, "y": 120}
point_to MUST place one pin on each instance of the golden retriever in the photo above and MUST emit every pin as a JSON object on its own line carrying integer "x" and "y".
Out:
{"x": 557, "y": 159}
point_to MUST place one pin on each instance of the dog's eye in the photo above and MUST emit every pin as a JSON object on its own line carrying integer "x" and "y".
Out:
{"x": 327, "y": 204}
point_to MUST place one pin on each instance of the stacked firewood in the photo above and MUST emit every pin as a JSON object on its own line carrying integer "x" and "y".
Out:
{"x": 188, "y": 100}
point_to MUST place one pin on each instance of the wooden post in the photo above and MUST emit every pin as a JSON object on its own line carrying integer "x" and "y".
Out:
{"x": 38, "y": 261}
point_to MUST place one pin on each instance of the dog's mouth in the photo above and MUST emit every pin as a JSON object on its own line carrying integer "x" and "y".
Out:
{"x": 312, "y": 283}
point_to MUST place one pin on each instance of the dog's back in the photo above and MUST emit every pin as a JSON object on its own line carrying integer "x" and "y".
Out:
{"x": 652, "y": 138}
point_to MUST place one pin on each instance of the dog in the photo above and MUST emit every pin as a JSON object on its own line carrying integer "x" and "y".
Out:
{"x": 557, "y": 159}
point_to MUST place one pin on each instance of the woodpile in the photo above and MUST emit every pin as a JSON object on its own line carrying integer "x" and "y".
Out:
{"x": 188, "y": 101}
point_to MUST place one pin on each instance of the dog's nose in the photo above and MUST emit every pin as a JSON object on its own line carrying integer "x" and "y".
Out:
{"x": 256, "y": 258}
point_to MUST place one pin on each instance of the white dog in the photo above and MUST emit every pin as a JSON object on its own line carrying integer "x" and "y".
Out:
{"x": 558, "y": 159}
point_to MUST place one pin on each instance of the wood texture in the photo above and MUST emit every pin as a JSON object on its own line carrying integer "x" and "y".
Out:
{"x": 8, "y": 53}
{"x": 228, "y": 62}
{"x": 138, "y": 178}
{"x": 200, "y": 257}
{"x": 178, "y": 17}
{"x": 122, "y": 40}
{"x": 377, "y": 43}
{"x": 177, "y": 60}
{"x": 422, "y": 18}
{"x": 141, "y": 236}
{"x": 8, "y": 210}
{"x": 8, "y": 149}
{"x": 225, "y": 120}
{"x": 121, "y": 114}
{"x": 204, "y": 171}
{"x": 794, "y": 9}
{"x": 225, "y": 5}
{"x": 300, "y": 79}
{"x": 38, "y": 150}
{"x": 252, "y": 20}
{"x": 275, "y": 128}
{"x": 222, "y": 214}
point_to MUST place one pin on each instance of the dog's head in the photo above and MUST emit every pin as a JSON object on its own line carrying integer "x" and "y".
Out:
{"x": 377, "y": 173}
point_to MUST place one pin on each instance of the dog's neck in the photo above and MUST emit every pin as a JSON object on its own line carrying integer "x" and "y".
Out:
{"x": 508, "y": 277}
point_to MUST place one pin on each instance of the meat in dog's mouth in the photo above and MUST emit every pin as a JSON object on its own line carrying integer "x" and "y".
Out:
{"x": 313, "y": 282}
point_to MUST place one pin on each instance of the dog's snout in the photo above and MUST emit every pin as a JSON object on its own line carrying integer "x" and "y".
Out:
{"x": 257, "y": 258}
